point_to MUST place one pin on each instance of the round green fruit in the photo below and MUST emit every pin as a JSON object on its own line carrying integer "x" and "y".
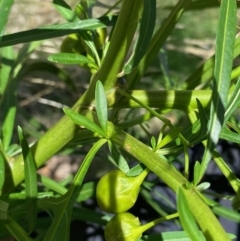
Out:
{"x": 73, "y": 44}
{"x": 117, "y": 192}
{"x": 123, "y": 227}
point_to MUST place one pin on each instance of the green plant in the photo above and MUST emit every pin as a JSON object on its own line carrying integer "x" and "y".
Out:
{"x": 116, "y": 192}
{"x": 208, "y": 98}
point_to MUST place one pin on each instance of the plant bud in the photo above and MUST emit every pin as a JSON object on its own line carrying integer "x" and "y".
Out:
{"x": 123, "y": 227}
{"x": 117, "y": 192}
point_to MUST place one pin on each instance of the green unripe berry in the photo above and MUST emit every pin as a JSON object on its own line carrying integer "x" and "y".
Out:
{"x": 117, "y": 192}
{"x": 73, "y": 44}
{"x": 123, "y": 227}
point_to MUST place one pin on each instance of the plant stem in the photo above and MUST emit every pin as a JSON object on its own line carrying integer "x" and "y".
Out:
{"x": 147, "y": 226}
{"x": 209, "y": 224}
{"x": 65, "y": 130}
{"x": 165, "y": 99}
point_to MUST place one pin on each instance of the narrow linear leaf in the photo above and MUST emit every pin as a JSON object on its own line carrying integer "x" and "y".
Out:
{"x": 83, "y": 121}
{"x": 156, "y": 205}
{"x": 5, "y": 7}
{"x": 90, "y": 43}
{"x": 197, "y": 168}
{"x": 158, "y": 40}
{"x": 87, "y": 191}
{"x": 8, "y": 109}
{"x": 227, "y": 172}
{"x": 203, "y": 121}
{"x": 57, "y": 30}
{"x": 186, "y": 217}
{"x": 117, "y": 158}
{"x": 65, "y": 10}
{"x": 145, "y": 34}
{"x": 227, "y": 213}
{"x": 68, "y": 58}
{"x": 136, "y": 170}
{"x": 2, "y": 169}
{"x": 7, "y": 59}
{"x": 222, "y": 74}
{"x": 52, "y": 185}
{"x": 62, "y": 206}
{"x": 16, "y": 230}
{"x": 3, "y": 209}
{"x": 8, "y": 104}
{"x": 233, "y": 102}
{"x": 167, "y": 236}
{"x": 228, "y": 135}
{"x": 101, "y": 105}
{"x": 204, "y": 73}
{"x": 30, "y": 171}
{"x": 172, "y": 135}
{"x": 174, "y": 236}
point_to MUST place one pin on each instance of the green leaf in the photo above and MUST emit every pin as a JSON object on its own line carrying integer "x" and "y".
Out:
{"x": 68, "y": 58}
{"x": 203, "y": 74}
{"x": 101, "y": 105}
{"x": 203, "y": 186}
{"x": 227, "y": 213}
{"x": 172, "y": 135}
{"x": 88, "y": 39}
{"x": 222, "y": 73}
{"x": 88, "y": 190}
{"x": 197, "y": 168}
{"x": 153, "y": 142}
{"x": 136, "y": 170}
{"x": 168, "y": 236}
{"x": 145, "y": 34}
{"x": 174, "y": 236}
{"x": 3, "y": 209}
{"x": 30, "y": 172}
{"x": 5, "y": 7}
{"x": 233, "y": 102}
{"x": 158, "y": 40}
{"x": 52, "y": 185}
{"x": 83, "y": 121}
{"x": 7, "y": 59}
{"x": 3, "y": 160}
{"x": 8, "y": 107}
{"x": 186, "y": 217}
{"x": 65, "y": 10}
{"x": 156, "y": 205}
{"x": 62, "y": 206}
{"x": 8, "y": 103}
{"x": 56, "y": 30}
{"x": 117, "y": 158}
{"x": 16, "y": 230}
{"x": 228, "y": 135}
{"x": 227, "y": 172}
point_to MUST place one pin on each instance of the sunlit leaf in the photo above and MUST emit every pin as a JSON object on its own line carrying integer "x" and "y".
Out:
{"x": 222, "y": 73}
{"x": 186, "y": 217}
{"x": 101, "y": 105}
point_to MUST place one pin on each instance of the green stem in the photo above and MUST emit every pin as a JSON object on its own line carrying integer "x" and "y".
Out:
{"x": 121, "y": 40}
{"x": 160, "y": 117}
{"x": 163, "y": 99}
{"x": 209, "y": 224}
{"x": 65, "y": 130}
{"x": 149, "y": 225}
